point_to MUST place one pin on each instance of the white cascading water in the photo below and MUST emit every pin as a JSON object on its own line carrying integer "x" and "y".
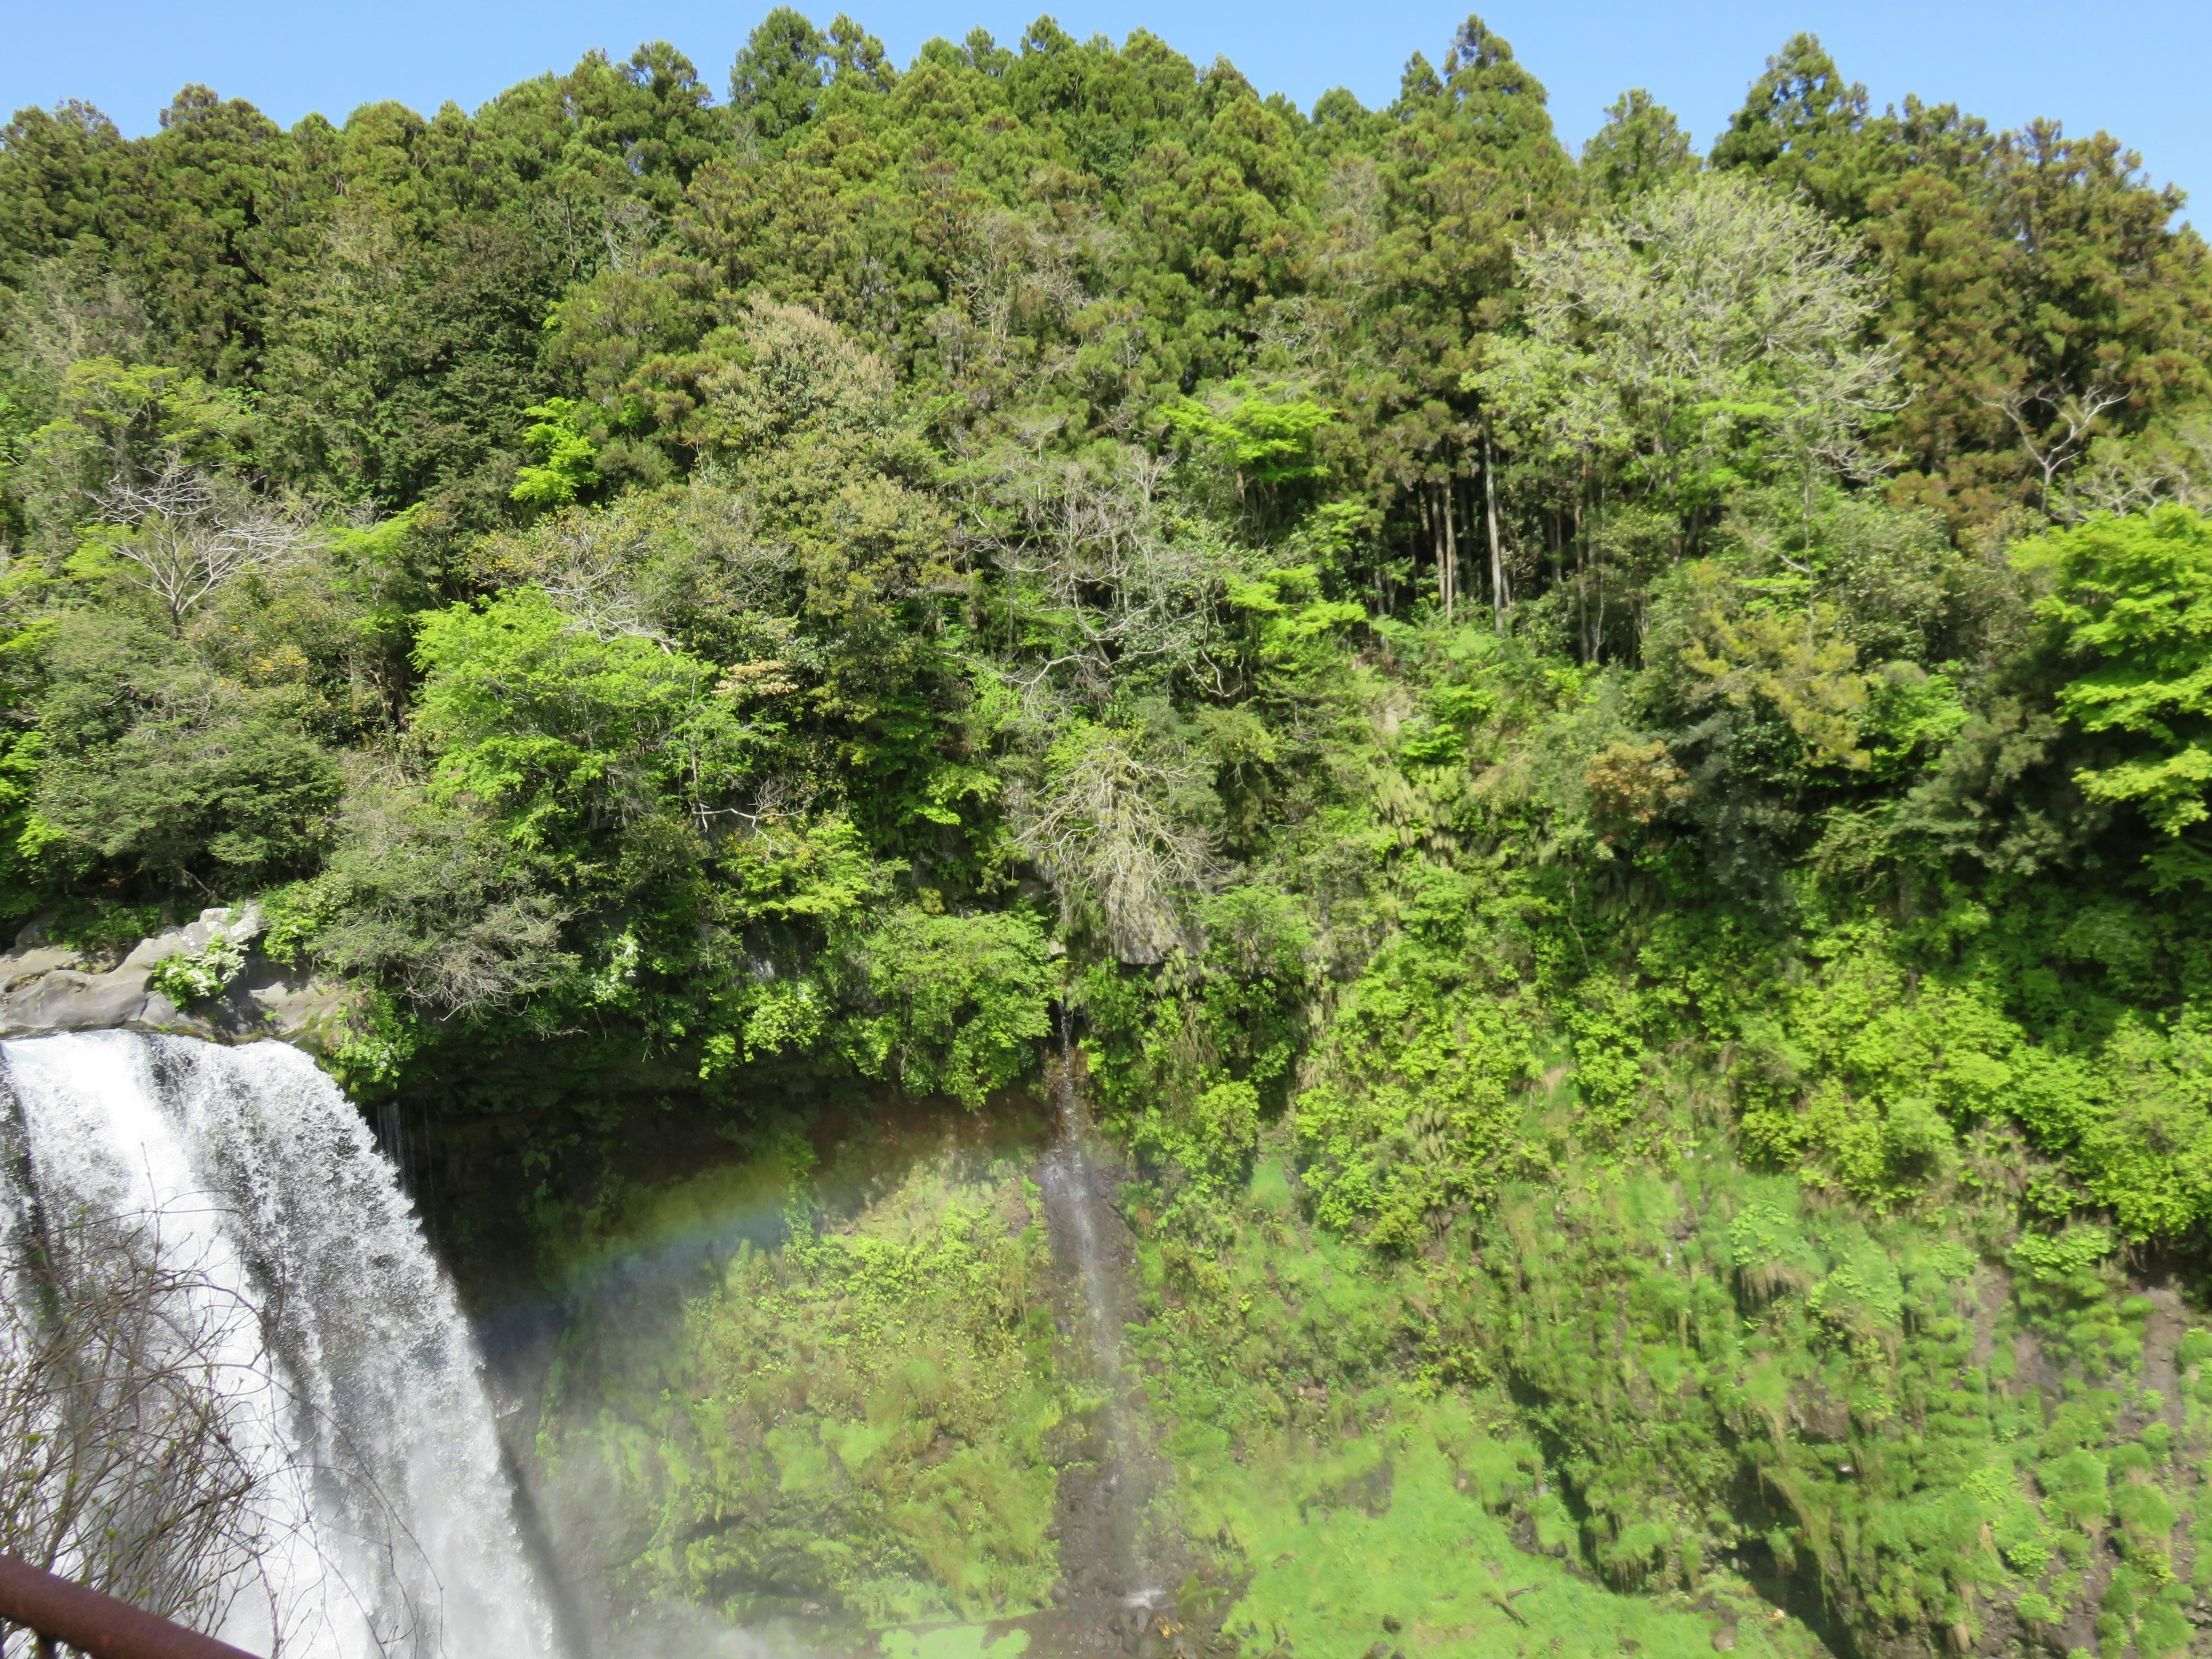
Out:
{"x": 353, "y": 1382}
{"x": 1074, "y": 1198}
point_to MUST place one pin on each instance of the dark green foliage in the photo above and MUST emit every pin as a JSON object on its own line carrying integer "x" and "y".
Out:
{"x": 1979, "y": 232}
{"x": 1640, "y": 148}
{"x": 779, "y": 76}
{"x": 422, "y": 901}
{"x": 169, "y": 773}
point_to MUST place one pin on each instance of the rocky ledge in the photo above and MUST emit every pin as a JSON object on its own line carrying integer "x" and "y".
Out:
{"x": 46, "y": 987}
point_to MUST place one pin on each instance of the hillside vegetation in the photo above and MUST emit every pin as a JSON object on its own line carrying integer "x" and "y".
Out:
{"x": 1610, "y": 756}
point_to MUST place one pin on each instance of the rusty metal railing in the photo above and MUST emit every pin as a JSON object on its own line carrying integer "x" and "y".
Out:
{"x": 93, "y": 1624}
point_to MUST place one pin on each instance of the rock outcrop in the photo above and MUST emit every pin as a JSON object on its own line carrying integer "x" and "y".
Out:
{"x": 46, "y": 987}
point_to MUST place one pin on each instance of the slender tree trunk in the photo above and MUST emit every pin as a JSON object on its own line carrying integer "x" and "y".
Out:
{"x": 1582, "y": 574}
{"x": 1597, "y": 578}
{"x": 1448, "y": 560}
{"x": 1501, "y": 597}
{"x": 1436, "y": 542}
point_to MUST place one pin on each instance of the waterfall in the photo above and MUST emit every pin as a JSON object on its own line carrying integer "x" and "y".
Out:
{"x": 1108, "y": 1526}
{"x": 1071, "y": 1178}
{"x": 313, "y": 1370}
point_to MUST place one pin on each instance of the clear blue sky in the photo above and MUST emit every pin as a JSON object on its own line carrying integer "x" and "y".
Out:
{"x": 2137, "y": 72}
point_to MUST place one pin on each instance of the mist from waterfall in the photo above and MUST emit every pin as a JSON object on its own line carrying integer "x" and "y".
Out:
{"x": 340, "y": 1395}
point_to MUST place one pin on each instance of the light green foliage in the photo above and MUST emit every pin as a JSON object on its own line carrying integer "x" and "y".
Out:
{"x": 1264, "y": 439}
{"x": 1703, "y": 337}
{"x": 1439, "y": 1562}
{"x": 2063, "y": 1260}
{"x": 958, "y": 1003}
{"x": 1269, "y": 440}
{"x": 864, "y": 1410}
{"x": 2131, "y": 608}
{"x": 564, "y": 469}
{"x": 119, "y": 421}
{"x": 1871, "y": 1071}
{"x": 23, "y": 838}
{"x": 1681, "y": 1336}
{"x": 1352, "y": 1466}
{"x": 189, "y": 977}
{"x": 830, "y": 458}
{"x": 1800, "y": 665}
{"x": 559, "y": 734}
{"x": 1414, "y": 1104}
{"x": 954, "y": 1641}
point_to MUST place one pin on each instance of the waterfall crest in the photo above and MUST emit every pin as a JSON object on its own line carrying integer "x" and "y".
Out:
{"x": 307, "y": 1350}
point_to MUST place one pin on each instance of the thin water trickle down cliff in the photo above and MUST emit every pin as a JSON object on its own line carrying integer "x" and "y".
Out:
{"x": 1107, "y": 1550}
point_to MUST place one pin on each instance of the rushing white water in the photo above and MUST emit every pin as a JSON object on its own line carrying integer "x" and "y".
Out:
{"x": 350, "y": 1385}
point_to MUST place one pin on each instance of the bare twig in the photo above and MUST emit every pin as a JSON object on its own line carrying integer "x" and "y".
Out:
{"x": 186, "y": 536}
{"x": 2050, "y": 445}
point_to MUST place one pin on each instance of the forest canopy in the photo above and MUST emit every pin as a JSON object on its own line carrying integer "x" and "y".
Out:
{"x": 796, "y": 582}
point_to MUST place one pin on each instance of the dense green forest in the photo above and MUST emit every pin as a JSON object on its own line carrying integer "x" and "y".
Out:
{"x": 1609, "y": 759}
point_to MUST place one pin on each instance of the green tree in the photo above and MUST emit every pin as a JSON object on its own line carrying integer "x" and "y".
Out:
{"x": 1640, "y": 148}
{"x": 566, "y": 739}
{"x": 954, "y": 1005}
{"x": 778, "y": 77}
{"x": 1697, "y": 342}
{"x": 1802, "y": 124}
{"x": 169, "y": 776}
{"x": 2130, "y": 610}
{"x": 2040, "y": 291}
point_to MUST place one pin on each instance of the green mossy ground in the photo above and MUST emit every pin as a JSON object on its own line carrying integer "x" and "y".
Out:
{"x": 1653, "y": 1404}
{"x": 848, "y": 1402}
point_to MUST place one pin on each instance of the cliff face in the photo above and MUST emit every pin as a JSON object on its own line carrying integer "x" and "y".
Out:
{"x": 47, "y": 987}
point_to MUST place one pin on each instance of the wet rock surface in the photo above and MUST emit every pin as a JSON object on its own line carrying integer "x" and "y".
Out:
{"x": 47, "y": 987}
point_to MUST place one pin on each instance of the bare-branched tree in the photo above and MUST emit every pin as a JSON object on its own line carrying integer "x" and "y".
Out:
{"x": 2133, "y": 476}
{"x": 150, "y": 1444}
{"x": 186, "y": 534}
{"x": 1690, "y": 324}
{"x": 1103, "y": 827}
{"x": 2053, "y": 442}
{"x": 129, "y": 1463}
{"x": 1104, "y": 578}
{"x": 637, "y": 566}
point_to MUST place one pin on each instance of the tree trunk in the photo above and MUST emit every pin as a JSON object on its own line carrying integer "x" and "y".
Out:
{"x": 1501, "y": 597}
{"x": 1448, "y": 559}
{"x": 1432, "y": 525}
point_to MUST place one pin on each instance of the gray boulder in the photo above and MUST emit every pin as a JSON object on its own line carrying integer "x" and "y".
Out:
{"x": 46, "y": 989}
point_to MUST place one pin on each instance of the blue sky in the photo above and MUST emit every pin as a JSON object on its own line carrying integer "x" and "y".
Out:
{"x": 2139, "y": 78}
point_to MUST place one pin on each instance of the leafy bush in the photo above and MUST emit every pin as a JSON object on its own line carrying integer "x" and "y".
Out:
{"x": 950, "y": 1004}
{"x": 189, "y": 977}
